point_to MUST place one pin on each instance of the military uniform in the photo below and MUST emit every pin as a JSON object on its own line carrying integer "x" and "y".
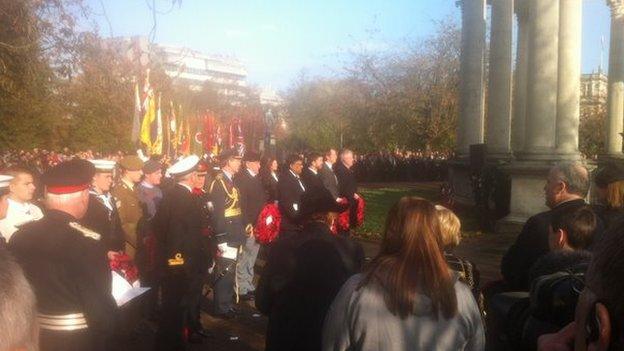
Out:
{"x": 130, "y": 213}
{"x": 229, "y": 234}
{"x": 103, "y": 218}
{"x": 183, "y": 262}
{"x": 68, "y": 270}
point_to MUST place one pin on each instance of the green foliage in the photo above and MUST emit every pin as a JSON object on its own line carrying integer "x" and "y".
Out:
{"x": 406, "y": 100}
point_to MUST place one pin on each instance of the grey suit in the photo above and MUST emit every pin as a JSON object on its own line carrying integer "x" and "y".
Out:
{"x": 329, "y": 180}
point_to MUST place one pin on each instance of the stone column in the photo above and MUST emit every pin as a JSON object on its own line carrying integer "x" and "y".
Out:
{"x": 471, "y": 100}
{"x": 615, "y": 100}
{"x": 518, "y": 122}
{"x": 569, "y": 84}
{"x": 542, "y": 84}
{"x": 498, "y": 133}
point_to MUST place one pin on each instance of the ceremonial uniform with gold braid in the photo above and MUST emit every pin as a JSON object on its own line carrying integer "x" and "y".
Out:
{"x": 183, "y": 260}
{"x": 229, "y": 230}
{"x": 67, "y": 267}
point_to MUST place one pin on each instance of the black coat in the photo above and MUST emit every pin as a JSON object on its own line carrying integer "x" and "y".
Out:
{"x": 270, "y": 185}
{"x": 69, "y": 273}
{"x": 311, "y": 181}
{"x": 178, "y": 229}
{"x": 289, "y": 193}
{"x": 559, "y": 261}
{"x": 302, "y": 276}
{"x": 329, "y": 179}
{"x": 347, "y": 188}
{"x": 252, "y": 196}
{"x": 105, "y": 222}
{"x": 530, "y": 245}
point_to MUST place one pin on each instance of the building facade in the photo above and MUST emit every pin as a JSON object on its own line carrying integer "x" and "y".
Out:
{"x": 594, "y": 88}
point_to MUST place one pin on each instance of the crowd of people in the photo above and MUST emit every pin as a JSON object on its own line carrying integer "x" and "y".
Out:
{"x": 179, "y": 228}
{"x": 402, "y": 166}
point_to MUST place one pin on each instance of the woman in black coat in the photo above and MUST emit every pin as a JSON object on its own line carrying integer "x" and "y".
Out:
{"x": 303, "y": 275}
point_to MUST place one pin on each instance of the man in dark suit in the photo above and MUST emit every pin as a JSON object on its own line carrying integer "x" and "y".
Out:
{"x": 289, "y": 191}
{"x": 311, "y": 177}
{"x": 229, "y": 232}
{"x": 102, "y": 216}
{"x": 252, "y": 200}
{"x": 328, "y": 177}
{"x": 347, "y": 185}
{"x": 566, "y": 187}
{"x": 183, "y": 261}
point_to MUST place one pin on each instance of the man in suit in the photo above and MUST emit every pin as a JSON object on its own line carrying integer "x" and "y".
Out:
{"x": 128, "y": 204}
{"x": 102, "y": 216}
{"x": 566, "y": 187}
{"x": 311, "y": 177}
{"x": 252, "y": 200}
{"x": 328, "y": 177}
{"x": 347, "y": 185}
{"x": 66, "y": 265}
{"x": 229, "y": 232}
{"x": 289, "y": 191}
{"x": 182, "y": 261}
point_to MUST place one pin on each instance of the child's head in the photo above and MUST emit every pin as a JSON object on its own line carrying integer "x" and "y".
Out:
{"x": 449, "y": 227}
{"x": 572, "y": 229}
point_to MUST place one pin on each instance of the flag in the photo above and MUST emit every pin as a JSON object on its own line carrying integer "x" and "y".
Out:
{"x": 157, "y": 132}
{"x": 149, "y": 115}
{"x": 136, "y": 119}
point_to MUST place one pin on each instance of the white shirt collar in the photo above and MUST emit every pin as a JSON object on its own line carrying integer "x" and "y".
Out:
{"x": 228, "y": 175}
{"x": 313, "y": 170}
{"x": 251, "y": 173}
{"x": 328, "y": 164}
{"x": 147, "y": 185}
{"x": 293, "y": 173}
{"x": 18, "y": 206}
{"x": 274, "y": 175}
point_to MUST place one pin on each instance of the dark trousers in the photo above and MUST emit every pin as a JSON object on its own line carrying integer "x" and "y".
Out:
{"x": 192, "y": 303}
{"x": 170, "y": 334}
{"x": 224, "y": 285}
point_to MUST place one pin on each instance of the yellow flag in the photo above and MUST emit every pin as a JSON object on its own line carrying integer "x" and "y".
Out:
{"x": 148, "y": 118}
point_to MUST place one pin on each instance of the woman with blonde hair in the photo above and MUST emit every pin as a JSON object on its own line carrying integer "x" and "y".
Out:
{"x": 408, "y": 298}
{"x": 450, "y": 232}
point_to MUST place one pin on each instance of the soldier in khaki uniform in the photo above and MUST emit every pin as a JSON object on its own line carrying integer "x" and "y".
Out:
{"x": 128, "y": 205}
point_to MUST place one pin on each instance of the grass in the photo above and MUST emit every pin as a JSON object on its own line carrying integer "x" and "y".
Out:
{"x": 379, "y": 199}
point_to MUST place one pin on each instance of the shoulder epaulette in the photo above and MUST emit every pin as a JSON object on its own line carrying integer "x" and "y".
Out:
{"x": 86, "y": 232}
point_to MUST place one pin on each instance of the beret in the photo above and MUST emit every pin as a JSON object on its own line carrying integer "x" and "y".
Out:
{"x": 131, "y": 163}
{"x": 69, "y": 176}
{"x": 151, "y": 166}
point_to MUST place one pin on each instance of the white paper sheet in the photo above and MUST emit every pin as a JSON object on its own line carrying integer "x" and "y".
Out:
{"x": 123, "y": 292}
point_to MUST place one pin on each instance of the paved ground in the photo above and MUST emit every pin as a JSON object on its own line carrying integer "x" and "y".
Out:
{"x": 246, "y": 333}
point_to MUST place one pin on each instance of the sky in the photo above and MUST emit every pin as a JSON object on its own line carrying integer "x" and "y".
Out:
{"x": 277, "y": 40}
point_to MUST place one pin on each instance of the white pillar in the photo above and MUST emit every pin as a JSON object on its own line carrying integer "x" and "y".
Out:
{"x": 520, "y": 82}
{"x": 569, "y": 90}
{"x": 542, "y": 84}
{"x": 615, "y": 101}
{"x": 498, "y": 132}
{"x": 471, "y": 103}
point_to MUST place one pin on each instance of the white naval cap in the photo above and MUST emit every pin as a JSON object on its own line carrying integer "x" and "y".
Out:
{"x": 184, "y": 166}
{"x": 4, "y": 181}
{"x": 103, "y": 165}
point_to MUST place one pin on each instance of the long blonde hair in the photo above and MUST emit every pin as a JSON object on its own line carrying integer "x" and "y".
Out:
{"x": 615, "y": 194}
